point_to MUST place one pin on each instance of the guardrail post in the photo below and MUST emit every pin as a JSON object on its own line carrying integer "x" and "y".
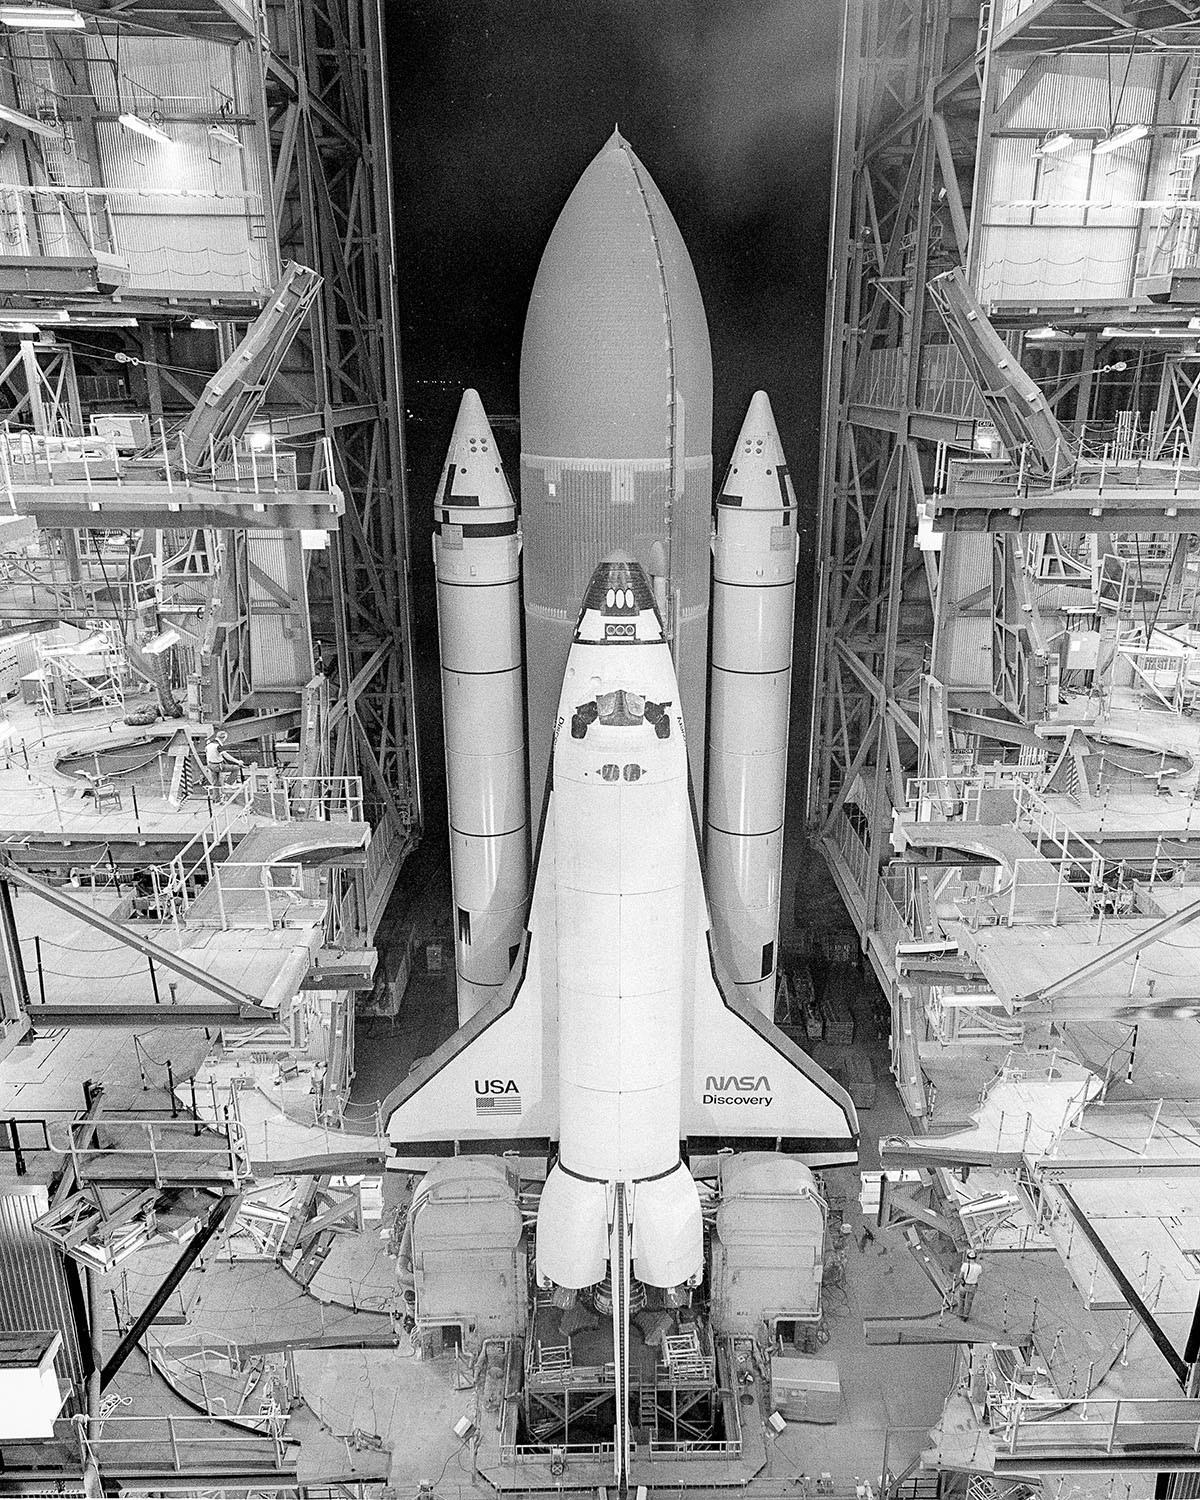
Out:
{"x": 1112, "y": 1431}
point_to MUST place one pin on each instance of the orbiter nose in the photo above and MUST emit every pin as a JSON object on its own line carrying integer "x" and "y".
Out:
{"x": 619, "y": 588}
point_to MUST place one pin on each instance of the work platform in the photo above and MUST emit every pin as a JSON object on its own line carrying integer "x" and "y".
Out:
{"x": 996, "y": 495}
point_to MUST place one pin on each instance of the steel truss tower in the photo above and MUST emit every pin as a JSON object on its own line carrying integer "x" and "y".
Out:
{"x": 326, "y": 73}
{"x": 1014, "y": 265}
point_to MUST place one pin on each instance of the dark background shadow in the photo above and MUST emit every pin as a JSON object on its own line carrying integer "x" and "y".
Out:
{"x": 498, "y": 105}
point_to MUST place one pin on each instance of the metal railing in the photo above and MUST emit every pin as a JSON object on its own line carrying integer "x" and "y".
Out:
{"x": 195, "y": 863}
{"x": 167, "y": 1152}
{"x": 695, "y": 1448}
{"x": 854, "y": 853}
{"x": 515, "y": 1453}
{"x": 194, "y": 1362}
{"x": 958, "y": 798}
{"x": 262, "y": 890}
{"x": 1029, "y": 1426}
{"x": 263, "y": 465}
{"x": 196, "y": 1444}
{"x": 290, "y": 798}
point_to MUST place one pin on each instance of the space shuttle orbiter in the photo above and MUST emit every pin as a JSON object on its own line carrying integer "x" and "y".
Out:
{"x": 613, "y": 1043}
{"x": 612, "y": 1010}
{"x": 615, "y": 1011}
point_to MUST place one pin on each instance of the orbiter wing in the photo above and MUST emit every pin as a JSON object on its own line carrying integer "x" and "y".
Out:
{"x": 493, "y": 1085}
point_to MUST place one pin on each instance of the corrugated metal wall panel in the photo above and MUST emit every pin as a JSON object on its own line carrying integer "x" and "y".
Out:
{"x": 33, "y": 1284}
{"x": 217, "y": 239}
{"x": 1061, "y": 247}
{"x": 280, "y": 643}
{"x": 173, "y": 75}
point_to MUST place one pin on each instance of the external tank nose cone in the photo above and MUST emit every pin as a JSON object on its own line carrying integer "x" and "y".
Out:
{"x": 472, "y": 474}
{"x": 615, "y": 320}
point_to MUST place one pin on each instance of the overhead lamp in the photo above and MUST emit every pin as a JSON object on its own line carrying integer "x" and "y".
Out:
{"x": 259, "y": 438}
{"x": 19, "y": 328}
{"x": 1192, "y": 150}
{"x": 27, "y": 122}
{"x": 223, "y": 133}
{"x": 41, "y": 17}
{"x": 36, "y": 315}
{"x": 144, "y": 127}
{"x": 1058, "y": 142}
{"x": 1124, "y": 137}
{"x": 203, "y": 324}
{"x": 1194, "y": 325}
{"x": 1045, "y": 332}
{"x": 163, "y": 641}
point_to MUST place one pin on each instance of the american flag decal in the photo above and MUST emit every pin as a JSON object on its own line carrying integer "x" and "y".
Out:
{"x": 498, "y": 1104}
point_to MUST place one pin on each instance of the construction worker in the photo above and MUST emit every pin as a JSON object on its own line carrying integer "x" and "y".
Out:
{"x": 216, "y": 758}
{"x": 968, "y": 1279}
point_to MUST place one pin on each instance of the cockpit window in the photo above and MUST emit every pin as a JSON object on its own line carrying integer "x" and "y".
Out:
{"x": 621, "y": 709}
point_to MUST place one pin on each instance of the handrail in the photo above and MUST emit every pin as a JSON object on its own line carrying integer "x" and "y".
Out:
{"x": 200, "y": 1439}
{"x": 179, "y": 1159}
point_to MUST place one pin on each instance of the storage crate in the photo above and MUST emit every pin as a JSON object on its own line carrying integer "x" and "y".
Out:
{"x": 805, "y": 1390}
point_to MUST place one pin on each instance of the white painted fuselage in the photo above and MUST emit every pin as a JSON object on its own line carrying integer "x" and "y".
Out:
{"x": 622, "y": 829}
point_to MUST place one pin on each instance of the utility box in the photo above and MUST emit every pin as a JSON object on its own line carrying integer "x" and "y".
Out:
{"x": 30, "y": 1395}
{"x": 465, "y": 1248}
{"x": 805, "y": 1390}
{"x": 767, "y": 1247}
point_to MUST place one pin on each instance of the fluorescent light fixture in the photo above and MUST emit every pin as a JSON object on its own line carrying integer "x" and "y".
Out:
{"x": 1058, "y": 142}
{"x": 1124, "y": 137}
{"x": 1192, "y": 150}
{"x": 1194, "y": 324}
{"x": 223, "y": 133}
{"x": 143, "y": 127}
{"x": 163, "y": 641}
{"x": 41, "y": 17}
{"x": 33, "y": 315}
{"x": 27, "y": 122}
{"x": 1045, "y": 332}
{"x": 19, "y": 328}
{"x": 206, "y": 324}
{"x": 259, "y": 438}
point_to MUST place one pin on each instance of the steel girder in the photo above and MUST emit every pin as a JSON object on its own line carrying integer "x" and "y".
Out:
{"x": 327, "y": 104}
{"x": 892, "y": 229}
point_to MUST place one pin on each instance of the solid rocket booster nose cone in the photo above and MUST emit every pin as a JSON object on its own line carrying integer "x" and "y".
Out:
{"x": 472, "y": 474}
{"x": 758, "y": 472}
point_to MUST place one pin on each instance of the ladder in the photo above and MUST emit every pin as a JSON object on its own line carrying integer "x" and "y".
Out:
{"x": 648, "y": 1404}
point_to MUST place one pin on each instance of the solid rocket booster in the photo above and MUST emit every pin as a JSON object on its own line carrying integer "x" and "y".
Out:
{"x": 616, "y": 433}
{"x": 476, "y": 547}
{"x": 755, "y": 551}
{"x": 622, "y": 827}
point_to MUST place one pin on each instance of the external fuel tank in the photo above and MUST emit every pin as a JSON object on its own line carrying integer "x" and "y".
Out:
{"x": 616, "y": 435}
